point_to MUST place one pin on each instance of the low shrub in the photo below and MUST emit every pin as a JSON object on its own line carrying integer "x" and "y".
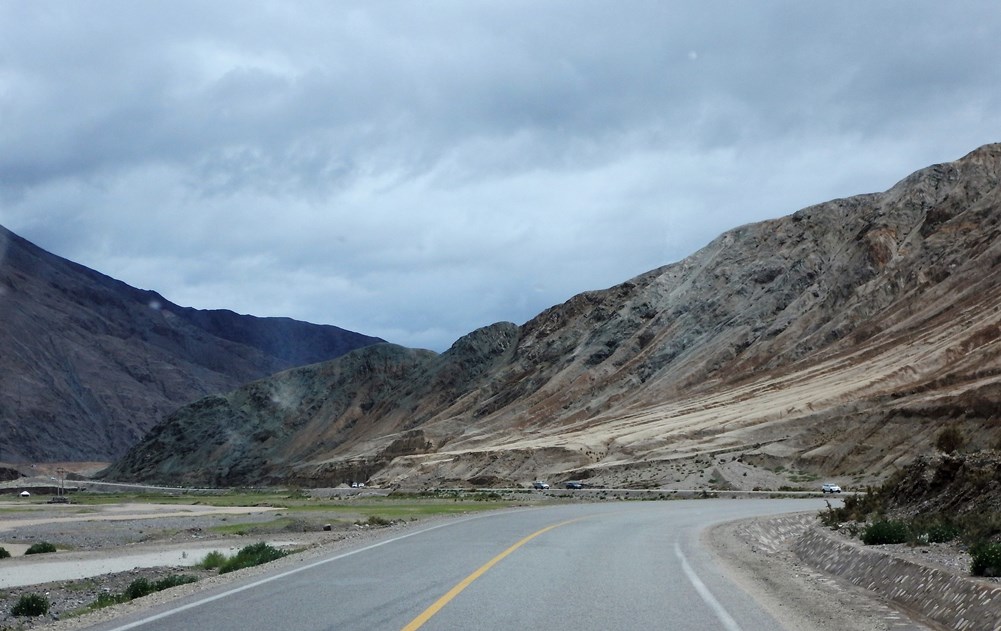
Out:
{"x": 139, "y": 588}
{"x": 144, "y": 587}
{"x": 885, "y": 531}
{"x": 213, "y": 560}
{"x": 30, "y": 605}
{"x": 4, "y": 554}
{"x": 41, "y": 547}
{"x": 986, "y": 559}
{"x": 254, "y": 554}
{"x": 942, "y": 532}
{"x": 950, "y": 440}
{"x": 857, "y": 507}
{"x": 173, "y": 581}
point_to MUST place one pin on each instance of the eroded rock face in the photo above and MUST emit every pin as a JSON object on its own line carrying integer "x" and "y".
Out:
{"x": 89, "y": 364}
{"x": 833, "y": 340}
{"x": 956, "y": 485}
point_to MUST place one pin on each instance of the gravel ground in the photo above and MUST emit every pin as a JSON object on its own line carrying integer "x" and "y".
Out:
{"x": 70, "y": 598}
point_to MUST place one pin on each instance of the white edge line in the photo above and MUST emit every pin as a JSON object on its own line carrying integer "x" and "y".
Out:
{"x": 725, "y": 618}
{"x": 296, "y": 570}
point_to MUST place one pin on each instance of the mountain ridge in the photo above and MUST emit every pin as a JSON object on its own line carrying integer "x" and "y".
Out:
{"x": 834, "y": 340}
{"x": 90, "y": 363}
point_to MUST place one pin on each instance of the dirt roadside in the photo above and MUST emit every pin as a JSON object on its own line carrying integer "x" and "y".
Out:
{"x": 760, "y": 559}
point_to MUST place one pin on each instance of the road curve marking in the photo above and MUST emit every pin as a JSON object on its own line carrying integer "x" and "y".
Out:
{"x": 428, "y": 613}
{"x": 707, "y": 596}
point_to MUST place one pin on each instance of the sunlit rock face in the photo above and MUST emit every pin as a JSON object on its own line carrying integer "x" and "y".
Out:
{"x": 836, "y": 341}
{"x": 88, "y": 364}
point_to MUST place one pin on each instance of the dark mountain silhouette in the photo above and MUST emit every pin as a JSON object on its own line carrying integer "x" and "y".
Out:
{"x": 88, "y": 363}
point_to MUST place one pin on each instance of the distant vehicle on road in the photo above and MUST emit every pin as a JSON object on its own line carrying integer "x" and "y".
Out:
{"x": 25, "y": 494}
{"x": 830, "y": 488}
{"x": 538, "y": 484}
{"x": 574, "y": 485}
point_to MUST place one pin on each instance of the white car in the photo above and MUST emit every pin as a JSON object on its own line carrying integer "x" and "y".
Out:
{"x": 540, "y": 485}
{"x": 830, "y": 488}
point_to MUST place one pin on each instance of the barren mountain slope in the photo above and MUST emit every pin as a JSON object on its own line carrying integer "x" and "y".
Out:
{"x": 89, "y": 364}
{"x": 836, "y": 341}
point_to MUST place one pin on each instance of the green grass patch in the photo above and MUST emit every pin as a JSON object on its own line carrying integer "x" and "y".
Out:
{"x": 392, "y": 507}
{"x": 247, "y": 528}
{"x": 235, "y": 498}
{"x": 83, "y": 585}
{"x": 803, "y": 477}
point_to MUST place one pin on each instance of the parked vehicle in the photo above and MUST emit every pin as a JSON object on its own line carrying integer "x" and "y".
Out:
{"x": 830, "y": 488}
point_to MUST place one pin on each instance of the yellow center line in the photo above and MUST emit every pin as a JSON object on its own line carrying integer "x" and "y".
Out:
{"x": 419, "y": 621}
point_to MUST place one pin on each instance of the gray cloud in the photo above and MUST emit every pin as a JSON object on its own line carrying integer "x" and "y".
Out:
{"x": 416, "y": 170}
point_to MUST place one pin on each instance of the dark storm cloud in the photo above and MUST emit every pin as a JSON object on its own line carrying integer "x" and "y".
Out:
{"x": 414, "y": 170}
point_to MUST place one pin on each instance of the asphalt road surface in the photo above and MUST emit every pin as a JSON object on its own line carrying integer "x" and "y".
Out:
{"x": 624, "y": 565}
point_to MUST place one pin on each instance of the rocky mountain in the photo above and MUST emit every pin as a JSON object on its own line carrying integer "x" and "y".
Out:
{"x": 833, "y": 342}
{"x": 89, "y": 363}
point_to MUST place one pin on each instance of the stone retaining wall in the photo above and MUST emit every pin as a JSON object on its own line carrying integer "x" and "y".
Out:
{"x": 956, "y": 602}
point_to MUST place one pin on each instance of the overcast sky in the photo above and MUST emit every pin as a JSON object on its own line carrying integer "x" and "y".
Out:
{"x": 416, "y": 170}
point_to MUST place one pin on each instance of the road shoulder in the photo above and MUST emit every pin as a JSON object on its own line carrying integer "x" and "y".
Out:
{"x": 758, "y": 555}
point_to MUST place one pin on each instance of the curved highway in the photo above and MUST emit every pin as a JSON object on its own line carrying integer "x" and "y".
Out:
{"x": 624, "y": 565}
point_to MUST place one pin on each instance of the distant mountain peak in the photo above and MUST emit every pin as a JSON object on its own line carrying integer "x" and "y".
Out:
{"x": 90, "y": 364}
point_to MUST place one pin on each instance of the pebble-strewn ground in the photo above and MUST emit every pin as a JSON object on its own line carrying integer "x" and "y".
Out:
{"x": 68, "y": 597}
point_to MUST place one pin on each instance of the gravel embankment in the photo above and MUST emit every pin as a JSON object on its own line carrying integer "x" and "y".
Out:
{"x": 766, "y": 557}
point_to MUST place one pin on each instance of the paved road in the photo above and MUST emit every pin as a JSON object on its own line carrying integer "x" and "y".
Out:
{"x": 626, "y": 565}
